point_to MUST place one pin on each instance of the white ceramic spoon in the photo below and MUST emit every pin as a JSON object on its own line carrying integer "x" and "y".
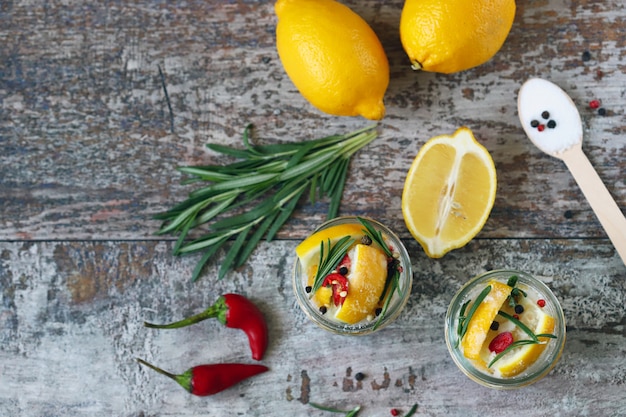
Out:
{"x": 551, "y": 121}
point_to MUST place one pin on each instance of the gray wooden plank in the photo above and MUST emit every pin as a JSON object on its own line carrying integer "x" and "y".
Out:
{"x": 71, "y": 325}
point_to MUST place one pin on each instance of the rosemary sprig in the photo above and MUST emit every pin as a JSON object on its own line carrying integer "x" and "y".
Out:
{"x": 349, "y": 413}
{"x": 252, "y": 198}
{"x": 465, "y": 320}
{"x": 330, "y": 259}
{"x": 392, "y": 283}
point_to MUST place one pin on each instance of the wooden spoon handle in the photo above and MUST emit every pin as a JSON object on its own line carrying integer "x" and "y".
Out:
{"x": 599, "y": 198}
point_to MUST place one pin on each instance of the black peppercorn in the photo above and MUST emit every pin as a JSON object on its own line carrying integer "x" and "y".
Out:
{"x": 602, "y": 111}
{"x": 378, "y": 311}
{"x": 551, "y": 124}
{"x": 534, "y": 123}
{"x": 323, "y": 309}
{"x": 586, "y": 56}
{"x": 519, "y": 309}
{"x": 545, "y": 114}
{"x": 366, "y": 240}
{"x": 494, "y": 325}
{"x": 359, "y": 376}
{"x": 308, "y": 288}
{"x": 343, "y": 270}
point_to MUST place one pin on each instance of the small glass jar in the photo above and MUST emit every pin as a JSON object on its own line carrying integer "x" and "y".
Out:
{"x": 398, "y": 298}
{"x": 479, "y": 372}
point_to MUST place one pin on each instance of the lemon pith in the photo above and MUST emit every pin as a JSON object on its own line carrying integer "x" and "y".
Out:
{"x": 333, "y": 57}
{"x": 449, "y": 192}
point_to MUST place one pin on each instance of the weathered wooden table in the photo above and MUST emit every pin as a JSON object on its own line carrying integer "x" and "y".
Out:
{"x": 89, "y": 145}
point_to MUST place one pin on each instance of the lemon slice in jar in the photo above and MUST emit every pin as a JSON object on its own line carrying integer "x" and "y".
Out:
{"x": 480, "y": 322}
{"x": 520, "y": 358}
{"x": 366, "y": 284}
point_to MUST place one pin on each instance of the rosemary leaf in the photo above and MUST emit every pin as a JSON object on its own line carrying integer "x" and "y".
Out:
{"x": 518, "y": 324}
{"x": 547, "y": 335}
{"x": 472, "y": 310}
{"x": 376, "y": 236}
{"x": 255, "y": 238}
{"x": 232, "y": 253}
{"x": 335, "y": 195}
{"x": 284, "y": 214}
{"x": 411, "y": 411}
{"x": 208, "y": 254}
{"x": 509, "y": 348}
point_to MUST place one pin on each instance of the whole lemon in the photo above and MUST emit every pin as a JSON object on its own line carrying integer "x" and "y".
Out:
{"x": 333, "y": 57}
{"x": 454, "y": 35}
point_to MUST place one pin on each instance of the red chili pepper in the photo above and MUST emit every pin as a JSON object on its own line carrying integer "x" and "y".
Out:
{"x": 234, "y": 311}
{"x": 203, "y": 380}
{"x": 340, "y": 287}
{"x": 345, "y": 261}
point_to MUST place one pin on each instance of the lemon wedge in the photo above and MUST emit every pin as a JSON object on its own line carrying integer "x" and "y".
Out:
{"x": 480, "y": 323}
{"x": 367, "y": 281}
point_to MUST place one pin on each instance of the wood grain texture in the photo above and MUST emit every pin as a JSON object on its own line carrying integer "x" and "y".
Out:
{"x": 89, "y": 144}
{"x": 72, "y": 313}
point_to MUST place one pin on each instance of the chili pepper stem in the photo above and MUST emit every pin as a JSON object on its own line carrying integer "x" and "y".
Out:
{"x": 217, "y": 310}
{"x": 184, "y": 380}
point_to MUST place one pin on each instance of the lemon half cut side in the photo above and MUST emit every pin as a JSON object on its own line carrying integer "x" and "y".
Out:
{"x": 449, "y": 192}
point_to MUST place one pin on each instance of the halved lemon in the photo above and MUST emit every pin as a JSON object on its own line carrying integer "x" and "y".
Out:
{"x": 480, "y": 322}
{"x": 449, "y": 192}
{"x": 366, "y": 284}
{"x": 310, "y": 247}
{"x": 520, "y": 358}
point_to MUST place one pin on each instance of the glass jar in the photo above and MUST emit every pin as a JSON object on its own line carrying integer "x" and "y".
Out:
{"x": 398, "y": 299}
{"x": 540, "y": 302}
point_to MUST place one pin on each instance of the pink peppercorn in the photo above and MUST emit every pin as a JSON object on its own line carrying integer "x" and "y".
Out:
{"x": 394, "y": 412}
{"x": 594, "y": 104}
{"x": 541, "y": 303}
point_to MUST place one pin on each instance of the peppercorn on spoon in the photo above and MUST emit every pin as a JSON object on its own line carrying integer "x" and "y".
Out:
{"x": 552, "y": 122}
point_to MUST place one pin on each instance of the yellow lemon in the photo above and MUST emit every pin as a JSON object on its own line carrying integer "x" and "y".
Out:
{"x": 480, "y": 322}
{"x": 449, "y": 192}
{"x": 366, "y": 284}
{"x": 520, "y": 358}
{"x": 333, "y": 57}
{"x": 454, "y": 35}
